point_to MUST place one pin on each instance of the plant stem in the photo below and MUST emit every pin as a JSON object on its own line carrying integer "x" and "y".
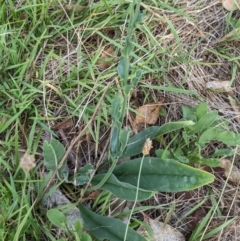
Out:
{"x": 23, "y": 197}
{"x": 136, "y": 197}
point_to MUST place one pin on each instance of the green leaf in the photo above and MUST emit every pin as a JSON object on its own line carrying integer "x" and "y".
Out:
{"x": 78, "y": 226}
{"x": 56, "y": 217}
{"x": 107, "y": 228}
{"x": 222, "y": 152}
{"x": 162, "y": 175}
{"x": 85, "y": 237}
{"x": 135, "y": 143}
{"x": 201, "y": 110}
{"x": 137, "y": 77}
{"x": 116, "y": 108}
{"x": 140, "y": 17}
{"x": 163, "y": 112}
{"x": 164, "y": 154}
{"x": 211, "y": 162}
{"x": 123, "y": 139}
{"x": 188, "y": 113}
{"x": 53, "y": 153}
{"x": 5, "y": 124}
{"x": 82, "y": 176}
{"x": 170, "y": 89}
{"x": 128, "y": 48}
{"x": 186, "y": 138}
{"x": 121, "y": 67}
{"x": 179, "y": 156}
{"x": 217, "y": 229}
{"x": 114, "y": 143}
{"x": 204, "y": 122}
{"x": 237, "y": 139}
{"x": 121, "y": 190}
{"x": 172, "y": 126}
{"x": 127, "y": 89}
{"x": 228, "y": 138}
{"x": 207, "y": 136}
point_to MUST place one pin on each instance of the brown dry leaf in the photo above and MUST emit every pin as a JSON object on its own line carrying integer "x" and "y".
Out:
{"x": 63, "y": 125}
{"x": 148, "y": 114}
{"x": 236, "y": 108}
{"x": 231, "y": 5}
{"x": 92, "y": 196}
{"x": 234, "y": 174}
{"x": 219, "y": 86}
{"x": 161, "y": 232}
{"x": 27, "y": 162}
{"x": 105, "y": 60}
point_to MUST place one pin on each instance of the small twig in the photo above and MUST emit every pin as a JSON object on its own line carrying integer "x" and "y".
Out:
{"x": 74, "y": 142}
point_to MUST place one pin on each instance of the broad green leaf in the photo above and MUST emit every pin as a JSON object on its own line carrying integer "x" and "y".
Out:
{"x": 114, "y": 143}
{"x": 228, "y": 138}
{"x": 127, "y": 89}
{"x": 201, "y": 110}
{"x": 237, "y": 139}
{"x": 84, "y": 237}
{"x": 188, "y": 113}
{"x": 164, "y": 154}
{"x": 207, "y": 136}
{"x": 222, "y": 152}
{"x": 204, "y": 122}
{"x": 78, "y": 226}
{"x": 82, "y": 175}
{"x": 103, "y": 227}
{"x": 53, "y": 153}
{"x": 180, "y": 157}
{"x": 56, "y": 217}
{"x": 172, "y": 126}
{"x": 162, "y": 175}
{"x": 121, "y": 190}
{"x": 135, "y": 143}
{"x": 211, "y": 162}
{"x": 123, "y": 139}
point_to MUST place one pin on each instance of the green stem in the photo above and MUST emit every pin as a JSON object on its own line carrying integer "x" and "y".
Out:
{"x": 23, "y": 197}
{"x": 136, "y": 198}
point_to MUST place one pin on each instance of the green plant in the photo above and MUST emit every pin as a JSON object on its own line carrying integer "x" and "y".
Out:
{"x": 189, "y": 144}
{"x": 199, "y": 233}
{"x": 35, "y": 94}
{"x": 140, "y": 178}
{"x": 58, "y": 219}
